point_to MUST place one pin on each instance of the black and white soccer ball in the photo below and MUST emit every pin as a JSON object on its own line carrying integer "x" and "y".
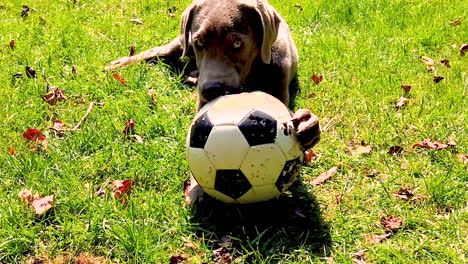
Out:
{"x": 242, "y": 148}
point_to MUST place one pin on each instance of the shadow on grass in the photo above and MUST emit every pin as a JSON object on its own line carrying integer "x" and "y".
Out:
{"x": 281, "y": 226}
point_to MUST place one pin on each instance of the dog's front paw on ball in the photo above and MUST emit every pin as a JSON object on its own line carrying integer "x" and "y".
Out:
{"x": 307, "y": 128}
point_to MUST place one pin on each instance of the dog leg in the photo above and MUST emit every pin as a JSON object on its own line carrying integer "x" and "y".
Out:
{"x": 173, "y": 49}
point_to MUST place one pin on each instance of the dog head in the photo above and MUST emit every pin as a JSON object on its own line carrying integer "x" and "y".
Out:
{"x": 227, "y": 36}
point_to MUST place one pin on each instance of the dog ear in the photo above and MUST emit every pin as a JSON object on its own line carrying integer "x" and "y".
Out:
{"x": 185, "y": 26}
{"x": 270, "y": 23}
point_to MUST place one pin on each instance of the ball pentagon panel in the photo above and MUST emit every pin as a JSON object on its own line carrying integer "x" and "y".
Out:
{"x": 290, "y": 171}
{"x": 258, "y": 128}
{"x": 232, "y": 183}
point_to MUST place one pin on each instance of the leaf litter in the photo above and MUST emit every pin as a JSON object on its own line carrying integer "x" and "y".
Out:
{"x": 40, "y": 204}
{"x": 324, "y": 176}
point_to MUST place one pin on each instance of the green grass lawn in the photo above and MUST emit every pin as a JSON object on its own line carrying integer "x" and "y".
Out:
{"x": 364, "y": 49}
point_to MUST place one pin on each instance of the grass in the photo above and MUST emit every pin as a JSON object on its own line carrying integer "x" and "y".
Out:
{"x": 365, "y": 49}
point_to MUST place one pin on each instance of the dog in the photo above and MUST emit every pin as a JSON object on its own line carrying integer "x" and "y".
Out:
{"x": 238, "y": 45}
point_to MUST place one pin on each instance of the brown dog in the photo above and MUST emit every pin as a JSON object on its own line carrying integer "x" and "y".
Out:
{"x": 238, "y": 45}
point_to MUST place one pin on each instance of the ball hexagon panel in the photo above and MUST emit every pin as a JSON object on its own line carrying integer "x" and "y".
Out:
{"x": 231, "y": 109}
{"x": 202, "y": 169}
{"x": 291, "y": 169}
{"x": 226, "y": 147}
{"x": 260, "y": 194}
{"x": 263, "y": 164}
{"x": 199, "y": 132}
{"x": 274, "y": 107}
{"x": 232, "y": 183}
{"x": 258, "y": 128}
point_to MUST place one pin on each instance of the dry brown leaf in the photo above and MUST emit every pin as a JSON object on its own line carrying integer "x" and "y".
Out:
{"x": 190, "y": 245}
{"x": 395, "y": 150}
{"x": 129, "y": 125}
{"x": 121, "y": 187}
{"x": 391, "y": 222}
{"x": 451, "y": 142}
{"x": 363, "y": 149}
{"x": 463, "y": 49}
{"x": 12, "y": 151}
{"x": 131, "y": 50}
{"x": 438, "y": 79}
{"x": 31, "y": 72}
{"x": 26, "y": 196}
{"x": 406, "y": 87}
{"x": 136, "y": 21}
{"x": 317, "y": 78}
{"x": 12, "y": 44}
{"x": 378, "y": 238}
{"x": 427, "y": 60}
{"x": 310, "y": 156}
{"x": 427, "y": 143}
{"x": 463, "y": 158}
{"x": 324, "y": 176}
{"x": 139, "y": 139}
{"x": 401, "y": 102}
{"x": 445, "y": 62}
{"x": 151, "y": 93}
{"x": 54, "y": 95}
{"x": 456, "y": 22}
{"x": 404, "y": 193}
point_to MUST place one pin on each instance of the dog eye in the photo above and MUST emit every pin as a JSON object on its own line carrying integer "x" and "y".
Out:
{"x": 237, "y": 44}
{"x": 199, "y": 43}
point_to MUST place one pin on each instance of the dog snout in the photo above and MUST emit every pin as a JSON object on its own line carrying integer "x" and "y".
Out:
{"x": 211, "y": 90}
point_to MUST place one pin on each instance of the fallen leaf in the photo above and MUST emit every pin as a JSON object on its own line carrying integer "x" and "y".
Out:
{"x": 222, "y": 255}
{"x": 437, "y": 79}
{"x": 43, "y": 204}
{"x": 176, "y": 259}
{"x": 451, "y": 142}
{"x": 12, "y": 151}
{"x": 445, "y": 62}
{"x": 310, "y": 156}
{"x": 317, "y": 78}
{"x": 463, "y": 49}
{"x": 324, "y": 176}
{"x": 373, "y": 173}
{"x": 463, "y": 158}
{"x": 395, "y": 150}
{"x": 12, "y": 44}
{"x": 31, "y": 72}
{"x": 121, "y": 187}
{"x": 119, "y": 78}
{"x": 138, "y": 138}
{"x": 26, "y": 196}
{"x": 58, "y": 125}
{"x": 136, "y": 21}
{"x": 404, "y": 193}
{"x": 190, "y": 245}
{"x": 363, "y": 149}
{"x": 456, "y": 22}
{"x": 427, "y": 143}
{"x": 131, "y": 50}
{"x": 36, "y": 136}
{"x": 151, "y": 92}
{"x": 360, "y": 257}
{"x": 18, "y": 75}
{"x": 25, "y": 11}
{"x": 129, "y": 125}
{"x": 379, "y": 238}
{"x": 406, "y": 87}
{"x": 427, "y": 60}
{"x": 54, "y": 95}
{"x": 401, "y": 102}
{"x": 391, "y": 222}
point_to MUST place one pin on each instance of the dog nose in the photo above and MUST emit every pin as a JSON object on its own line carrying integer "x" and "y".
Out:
{"x": 211, "y": 90}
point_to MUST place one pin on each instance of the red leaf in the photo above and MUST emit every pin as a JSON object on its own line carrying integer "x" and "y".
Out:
{"x": 317, "y": 78}
{"x": 310, "y": 156}
{"x": 463, "y": 49}
{"x": 12, "y": 151}
{"x": 12, "y": 44}
{"x": 119, "y": 78}
{"x": 401, "y": 102}
{"x": 54, "y": 95}
{"x": 121, "y": 187}
{"x": 58, "y": 125}
{"x": 33, "y": 135}
{"x": 43, "y": 204}
{"x": 406, "y": 87}
{"x": 324, "y": 176}
{"x": 427, "y": 143}
{"x": 129, "y": 125}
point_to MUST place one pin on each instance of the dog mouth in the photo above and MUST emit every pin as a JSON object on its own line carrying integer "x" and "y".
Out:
{"x": 211, "y": 91}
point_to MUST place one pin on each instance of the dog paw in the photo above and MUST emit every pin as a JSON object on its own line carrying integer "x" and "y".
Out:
{"x": 307, "y": 128}
{"x": 118, "y": 63}
{"x": 193, "y": 192}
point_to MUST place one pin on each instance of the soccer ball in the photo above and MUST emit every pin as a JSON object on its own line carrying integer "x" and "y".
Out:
{"x": 242, "y": 148}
